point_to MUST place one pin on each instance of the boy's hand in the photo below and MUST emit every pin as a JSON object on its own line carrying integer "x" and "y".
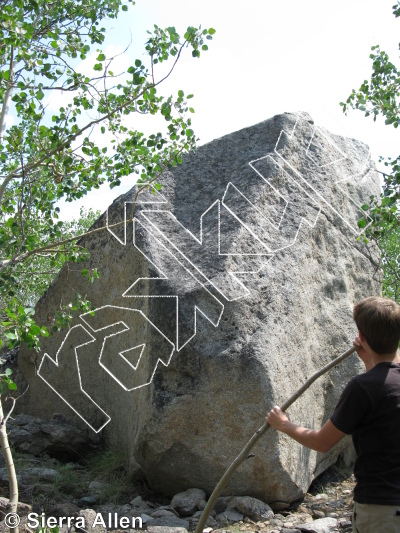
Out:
{"x": 277, "y": 418}
{"x": 362, "y": 353}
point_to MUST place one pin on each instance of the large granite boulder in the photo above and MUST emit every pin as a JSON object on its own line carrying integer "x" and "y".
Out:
{"x": 232, "y": 285}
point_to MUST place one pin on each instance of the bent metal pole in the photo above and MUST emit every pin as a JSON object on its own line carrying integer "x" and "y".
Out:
{"x": 258, "y": 434}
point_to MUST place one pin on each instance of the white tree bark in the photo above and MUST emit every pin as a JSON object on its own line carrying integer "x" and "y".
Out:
{"x": 12, "y": 476}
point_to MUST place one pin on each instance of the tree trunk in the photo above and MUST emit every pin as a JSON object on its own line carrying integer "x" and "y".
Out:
{"x": 12, "y": 477}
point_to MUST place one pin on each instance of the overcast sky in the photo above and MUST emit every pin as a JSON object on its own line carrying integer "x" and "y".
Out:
{"x": 266, "y": 57}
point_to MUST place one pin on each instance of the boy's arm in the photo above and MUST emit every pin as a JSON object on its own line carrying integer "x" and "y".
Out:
{"x": 321, "y": 440}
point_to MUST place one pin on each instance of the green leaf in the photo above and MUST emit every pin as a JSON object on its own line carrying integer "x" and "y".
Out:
{"x": 361, "y": 223}
{"x": 98, "y": 67}
{"x": 100, "y": 57}
{"x": 85, "y": 272}
{"x": 35, "y": 330}
{"x": 211, "y": 31}
{"x": 40, "y": 95}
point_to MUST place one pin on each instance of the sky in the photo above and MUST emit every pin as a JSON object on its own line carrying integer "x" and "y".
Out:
{"x": 266, "y": 57}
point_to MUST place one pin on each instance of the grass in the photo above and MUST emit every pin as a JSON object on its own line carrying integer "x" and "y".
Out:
{"x": 73, "y": 480}
{"x": 110, "y": 468}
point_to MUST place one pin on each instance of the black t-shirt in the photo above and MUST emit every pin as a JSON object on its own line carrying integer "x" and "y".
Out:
{"x": 369, "y": 410}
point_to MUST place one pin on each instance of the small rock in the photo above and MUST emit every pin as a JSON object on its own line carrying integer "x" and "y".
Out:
{"x": 321, "y": 496}
{"x": 289, "y": 525}
{"x": 279, "y": 506}
{"x": 89, "y": 516}
{"x": 318, "y": 514}
{"x": 162, "y": 512}
{"x": 95, "y": 487}
{"x": 146, "y": 518}
{"x": 23, "y": 508}
{"x": 222, "y": 504}
{"x": 323, "y": 525}
{"x": 211, "y": 522}
{"x": 137, "y": 502}
{"x": 166, "y": 508}
{"x": 186, "y": 503}
{"x": 201, "y": 505}
{"x": 124, "y": 510}
{"x": 230, "y": 515}
{"x": 166, "y": 529}
{"x": 170, "y": 522}
{"x": 89, "y": 500}
{"x": 251, "y": 507}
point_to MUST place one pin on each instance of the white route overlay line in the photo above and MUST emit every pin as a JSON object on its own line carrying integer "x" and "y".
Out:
{"x": 329, "y": 141}
{"x": 127, "y": 328}
{"x": 152, "y": 229}
{"x": 79, "y": 374}
{"x": 200, "y": 242}
{"x": 302, "y": 219}
{"x": 157, "y": 195}
{"x": 291, "y": 135}
{"x": 163, "y": 276}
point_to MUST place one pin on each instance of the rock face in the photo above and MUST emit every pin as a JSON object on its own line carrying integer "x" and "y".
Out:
{"x": 229, "y": 289}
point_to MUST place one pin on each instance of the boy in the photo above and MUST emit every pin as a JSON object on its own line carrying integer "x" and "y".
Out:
{"x": 369, "y": 410}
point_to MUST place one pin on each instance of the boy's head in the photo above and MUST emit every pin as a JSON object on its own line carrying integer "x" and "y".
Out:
{"x": 378, "y": 319}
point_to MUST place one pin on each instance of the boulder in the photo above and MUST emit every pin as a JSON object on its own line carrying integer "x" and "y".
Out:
{"x": 233, "y": 285}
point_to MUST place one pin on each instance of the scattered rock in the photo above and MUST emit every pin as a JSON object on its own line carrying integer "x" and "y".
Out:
{"x": 167, "y": 529}
{"x": 23, "y": 508}
{"x": 162, "y": 512}
{"x": 230, "y": 515}
{"x": 46, "y": 475}
{"x": 170, "y": 521}
{"x": 55, "y": 437}
{"x": 222, "y": 504}
{"x": 89, "y": 516}
{"x": 251, "y": 507}
{"x": 88, "y": 500}
{"x": 186, "y": 503}
{"x": 323, "y": 525}
{"x": 137, "y": 502}
{"x": 146, "y": 518}
{"x": 96, "y": 487}
{"x": 211, "y": 522}
{"x": 279, "y": 506}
